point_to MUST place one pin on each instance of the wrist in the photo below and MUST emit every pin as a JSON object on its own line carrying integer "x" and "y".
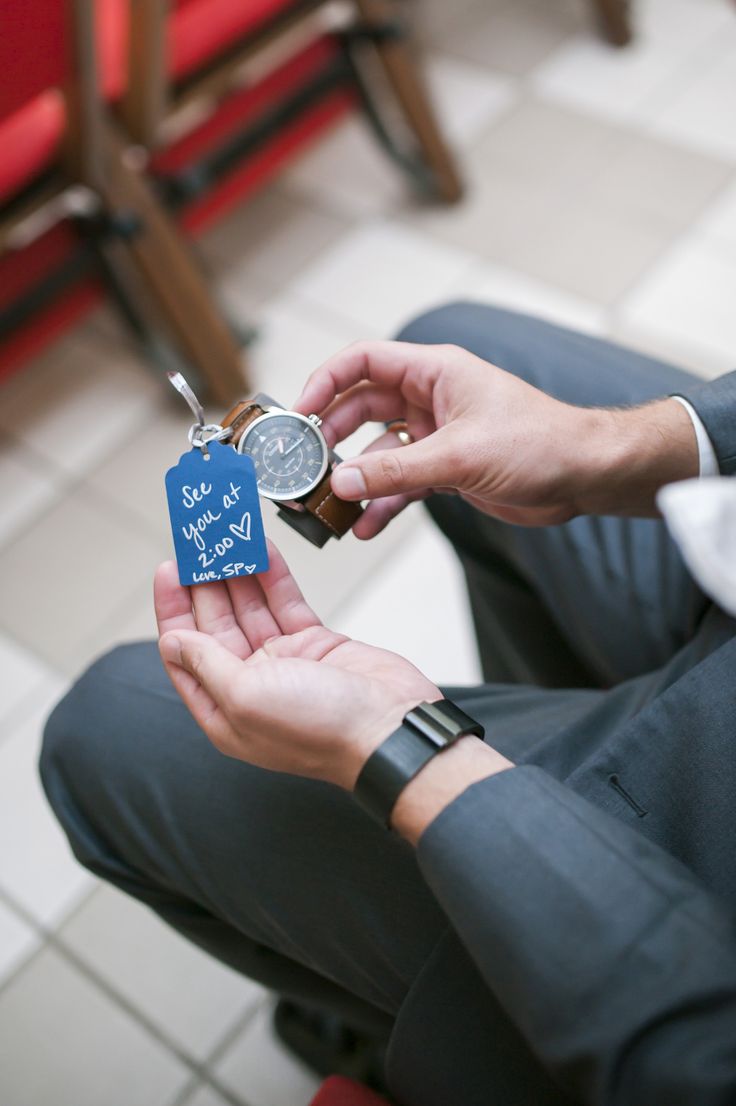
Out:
{"x": 374, "y": 727}
{"x": 626, "y": 456}
{"x": 442, "y": 781}
{"x": 429, "y": 735}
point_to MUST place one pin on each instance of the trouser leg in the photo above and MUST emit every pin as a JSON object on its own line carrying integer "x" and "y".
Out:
{"x": 594, "y": 601}
{"x": 287, "y": 880}
{"x": 283, "y": 878}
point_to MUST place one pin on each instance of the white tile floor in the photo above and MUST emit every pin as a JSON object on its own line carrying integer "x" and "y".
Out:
{"x": 602, "y": 194}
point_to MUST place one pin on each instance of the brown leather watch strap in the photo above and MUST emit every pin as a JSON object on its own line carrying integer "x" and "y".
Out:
{"x": 240, "y": 417}
{"x": 337, "y": 514}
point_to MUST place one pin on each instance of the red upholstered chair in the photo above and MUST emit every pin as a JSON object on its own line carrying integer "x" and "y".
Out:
{"x": 58, "y": 142}
{"x": 35, "y": 64}
{"x": 196, "y": 50}
{"x": 338, "y": 1091}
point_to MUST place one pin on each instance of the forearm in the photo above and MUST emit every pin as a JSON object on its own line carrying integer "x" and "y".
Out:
{"x": 623, "y": 457}
{"x": 612, "y": 960}
{"x": 441, "y": 781}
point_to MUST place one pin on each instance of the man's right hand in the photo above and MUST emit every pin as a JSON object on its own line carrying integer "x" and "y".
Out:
{"x": 509, "y": 449}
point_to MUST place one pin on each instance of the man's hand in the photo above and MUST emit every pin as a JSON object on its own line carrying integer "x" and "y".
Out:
{"x": 509, "y": 449}
{"x": 268, "y": 683}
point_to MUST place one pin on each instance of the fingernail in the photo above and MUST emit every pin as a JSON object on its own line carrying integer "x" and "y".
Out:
{"x": 348, "y": 482}
{"x": 171, "y": 649}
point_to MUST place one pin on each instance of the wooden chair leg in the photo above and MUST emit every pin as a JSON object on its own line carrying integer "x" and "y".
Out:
{"x": 171, "y": 279}
{"x": 615, "y": 18}
{"x": 410, "y": 91}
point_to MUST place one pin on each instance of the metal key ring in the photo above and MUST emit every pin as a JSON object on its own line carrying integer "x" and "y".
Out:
{"x": 201, "y": 436}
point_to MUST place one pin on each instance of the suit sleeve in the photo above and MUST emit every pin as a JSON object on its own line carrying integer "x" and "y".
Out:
{"x": 611, "y": 958}
{"x": 715, "y": 403}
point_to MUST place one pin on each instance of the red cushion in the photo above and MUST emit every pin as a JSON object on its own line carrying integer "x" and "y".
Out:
{"x": 30, "y": 137}
{"x": 199, "y": 29}
{"x": 29, "y": 140}
{"x": 112, "y": 46}
{"x": 338, "y": 1091}
{"x": 33, "y": 57}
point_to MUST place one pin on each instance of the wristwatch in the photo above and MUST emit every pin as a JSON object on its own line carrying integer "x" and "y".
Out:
{"x": 425, "y": 732}
{"x": 293, "y": 466}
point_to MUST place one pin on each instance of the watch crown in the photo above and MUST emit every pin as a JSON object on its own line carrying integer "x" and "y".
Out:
{"x": 315, "y": 419}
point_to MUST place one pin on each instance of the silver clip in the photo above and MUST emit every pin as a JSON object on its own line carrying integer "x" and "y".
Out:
{"x": 200, "y": 433}
{"x": 176, "y": 380}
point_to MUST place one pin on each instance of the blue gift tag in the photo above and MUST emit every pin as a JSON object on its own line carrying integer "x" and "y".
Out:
{"x": 215, "y": 516}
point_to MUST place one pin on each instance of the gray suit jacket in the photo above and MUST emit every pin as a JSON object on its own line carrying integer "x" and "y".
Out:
{"x": 591, "y": 942}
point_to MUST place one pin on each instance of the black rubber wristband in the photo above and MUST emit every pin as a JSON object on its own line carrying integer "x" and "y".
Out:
{"x": 425, "y": 732}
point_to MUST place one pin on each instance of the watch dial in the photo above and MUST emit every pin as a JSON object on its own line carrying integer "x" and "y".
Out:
{"x": 289, "y": 454}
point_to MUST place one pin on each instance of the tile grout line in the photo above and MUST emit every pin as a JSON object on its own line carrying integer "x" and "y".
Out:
{"x": 680, "y": 237}
{"x": 67, "y": 483}
{"x": 43, "y": 932}
{"x": 20, "y": 712}
{"x": 196, "y": 1067}
{"x": 632, "y": 123}
{"x": 186, "y": 1093}
{"x": 369, "y": 573}
{"x": 50, "y": 939}
{"x": 711, "y": 50}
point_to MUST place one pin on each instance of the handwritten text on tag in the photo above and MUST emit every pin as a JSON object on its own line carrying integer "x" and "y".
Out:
{"x": 215, "y": 516}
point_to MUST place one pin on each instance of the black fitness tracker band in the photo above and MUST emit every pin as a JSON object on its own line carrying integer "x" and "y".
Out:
{"x": 426, "y": 731}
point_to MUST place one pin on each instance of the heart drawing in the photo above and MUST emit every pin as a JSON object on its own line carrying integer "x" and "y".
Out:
{"x": 241, "y": 530}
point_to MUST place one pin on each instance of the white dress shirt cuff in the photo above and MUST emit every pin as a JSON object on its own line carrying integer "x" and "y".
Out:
{"x": 706, "y": 452}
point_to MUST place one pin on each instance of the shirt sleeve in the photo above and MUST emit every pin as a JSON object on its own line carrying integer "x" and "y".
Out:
{"x": 715, "y": 403}
{"x": 706, "y": 452}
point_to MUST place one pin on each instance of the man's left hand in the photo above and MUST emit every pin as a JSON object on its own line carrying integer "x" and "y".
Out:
{"x": 269, "y": 684}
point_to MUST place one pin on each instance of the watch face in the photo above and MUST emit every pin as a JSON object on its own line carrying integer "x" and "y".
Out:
{"x": 289, "y": 453}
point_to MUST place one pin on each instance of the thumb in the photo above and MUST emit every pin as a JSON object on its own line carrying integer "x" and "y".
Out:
{"x": 215, "y": 668}
{"x": 410, "y": 468}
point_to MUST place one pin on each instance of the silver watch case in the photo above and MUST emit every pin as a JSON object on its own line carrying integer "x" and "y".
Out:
{"x": 312, "y": 421}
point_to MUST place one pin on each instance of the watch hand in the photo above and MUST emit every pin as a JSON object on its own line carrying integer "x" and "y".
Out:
{"x": 296, "y": 443}
{"x": 280, "y": 445}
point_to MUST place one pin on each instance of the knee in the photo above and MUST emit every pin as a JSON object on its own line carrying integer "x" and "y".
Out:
{"x": 78, "y": 730}
{"x": 451, "y": 324}
{"x": 82, "y": 738}
{"x": 520, "y": 344}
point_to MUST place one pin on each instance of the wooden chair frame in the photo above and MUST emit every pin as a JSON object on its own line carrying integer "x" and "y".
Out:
{"x": 150, "y": 260}
{"x": 615, "y": 19}
{"x": 152, "y": 97}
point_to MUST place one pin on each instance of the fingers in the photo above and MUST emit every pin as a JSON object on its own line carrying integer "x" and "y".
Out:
{"x": 288, "y": 606}
{"x": 312, "y": 644}
{"x": 240, "y": 614}
{"x": 202, "y": 671}
{"x": 216, "y": 677}
{"x": 400, "y": 366}
{"x": 364, "y": 403}
{"x": 390, "y": 472}
{"x": 214, "y": 614}
{"x": 172, "y": 602}
{"x": 378, "y": 514}
{"x": 252, "y": 611}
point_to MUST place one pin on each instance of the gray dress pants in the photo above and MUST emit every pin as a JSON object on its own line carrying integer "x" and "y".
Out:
{"x": 286, "y": 879}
